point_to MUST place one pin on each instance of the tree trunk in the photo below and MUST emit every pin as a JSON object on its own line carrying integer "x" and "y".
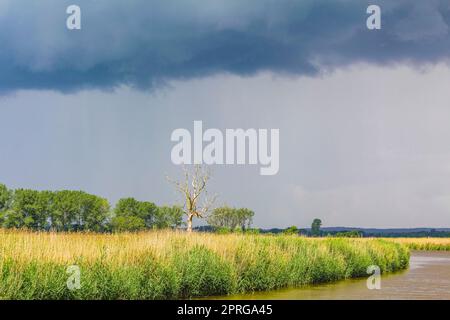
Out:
{"x": 189, "y": 223}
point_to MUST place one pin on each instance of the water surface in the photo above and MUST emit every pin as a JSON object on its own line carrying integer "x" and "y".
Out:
{"x": 428, "y": 277}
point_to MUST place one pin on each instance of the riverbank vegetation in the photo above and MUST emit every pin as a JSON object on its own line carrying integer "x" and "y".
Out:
{"x": 426, "y": 244}
{"x": 171, "y": 264}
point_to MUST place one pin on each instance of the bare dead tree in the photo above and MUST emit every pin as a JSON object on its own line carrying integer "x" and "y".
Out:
{"x": 192, "y": 186}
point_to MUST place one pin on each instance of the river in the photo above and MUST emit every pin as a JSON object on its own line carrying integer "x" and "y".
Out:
{"x": 428, "y": 277}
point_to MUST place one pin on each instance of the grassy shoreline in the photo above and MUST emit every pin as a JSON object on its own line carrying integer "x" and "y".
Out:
{"x": 171, "y": 265}
{"x": 425, "y": 244}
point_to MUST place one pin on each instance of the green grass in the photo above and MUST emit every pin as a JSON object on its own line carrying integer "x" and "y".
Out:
{"x": 170, "y": 265}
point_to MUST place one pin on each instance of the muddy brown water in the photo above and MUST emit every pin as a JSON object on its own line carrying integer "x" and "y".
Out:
{"x": 428, "y": 277}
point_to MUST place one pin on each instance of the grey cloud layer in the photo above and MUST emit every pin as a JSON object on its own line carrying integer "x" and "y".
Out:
{"x": 142, "y": 43}
{"x": 347, "y": 155}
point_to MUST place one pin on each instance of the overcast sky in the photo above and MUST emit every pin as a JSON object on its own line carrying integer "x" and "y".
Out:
{"x": 363, "y": 115}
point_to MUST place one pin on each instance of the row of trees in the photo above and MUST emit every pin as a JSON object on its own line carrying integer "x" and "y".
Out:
{"x": 231, "y": 218}
{"x": 61, "y": 211}
{"x": 315, "y": 229}
{"x": 80, "y": 211}
{"x": 133, "y": 215}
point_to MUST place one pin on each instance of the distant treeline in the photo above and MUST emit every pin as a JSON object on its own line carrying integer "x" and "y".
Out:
{"x": 231, "y": 219}
{"x": 421, "y": 234}
{"x": 388, "y": 234}
{"x": 79, "y": 211}
{"x": 432, "y": 233}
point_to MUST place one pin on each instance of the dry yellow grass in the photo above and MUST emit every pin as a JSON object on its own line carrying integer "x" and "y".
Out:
{"x": 442, "y": 244}
{"x": 127, "y": 248}
{"x": 121, "y": 247}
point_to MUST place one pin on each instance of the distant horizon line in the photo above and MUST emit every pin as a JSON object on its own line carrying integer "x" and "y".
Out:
{"x": 337, "y": 228}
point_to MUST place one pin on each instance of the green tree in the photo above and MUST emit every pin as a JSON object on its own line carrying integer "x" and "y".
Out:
{"x": 231, "y": 218}
{"x": 148, "y": 211}
{"x": 127, "y": 223}
{"x": 28, "y": 210}
{"x": 93, "y": 211}
{"x": 43, "y": 210}
{"x": 78, "y": 211}
{"x": 222, "y": 217}
{"x": 5, "y": 202}
{"x": 291, "y": 230}
{"x": 315, "y": 227}
{"x": 349, "y": 234}
{"x": 169, "y": 217}
{"x": 130, "y": 207}
{"x": 66, "y": 211}
{"x": 245, "y": 218}
{"x": 5, "y": 198}
{"x": 127, "y": 207}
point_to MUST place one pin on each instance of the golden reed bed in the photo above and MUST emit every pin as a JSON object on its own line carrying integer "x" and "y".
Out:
{"x": 171, "y": 265}
{"x": 429, "y": 244}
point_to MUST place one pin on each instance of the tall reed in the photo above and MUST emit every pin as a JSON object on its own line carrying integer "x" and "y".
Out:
{"x": 171, "y": 265}
{"x": 427, "y": 244}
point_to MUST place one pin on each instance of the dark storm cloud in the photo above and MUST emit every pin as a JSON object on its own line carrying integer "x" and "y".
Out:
{"x": 141, "y": 43}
